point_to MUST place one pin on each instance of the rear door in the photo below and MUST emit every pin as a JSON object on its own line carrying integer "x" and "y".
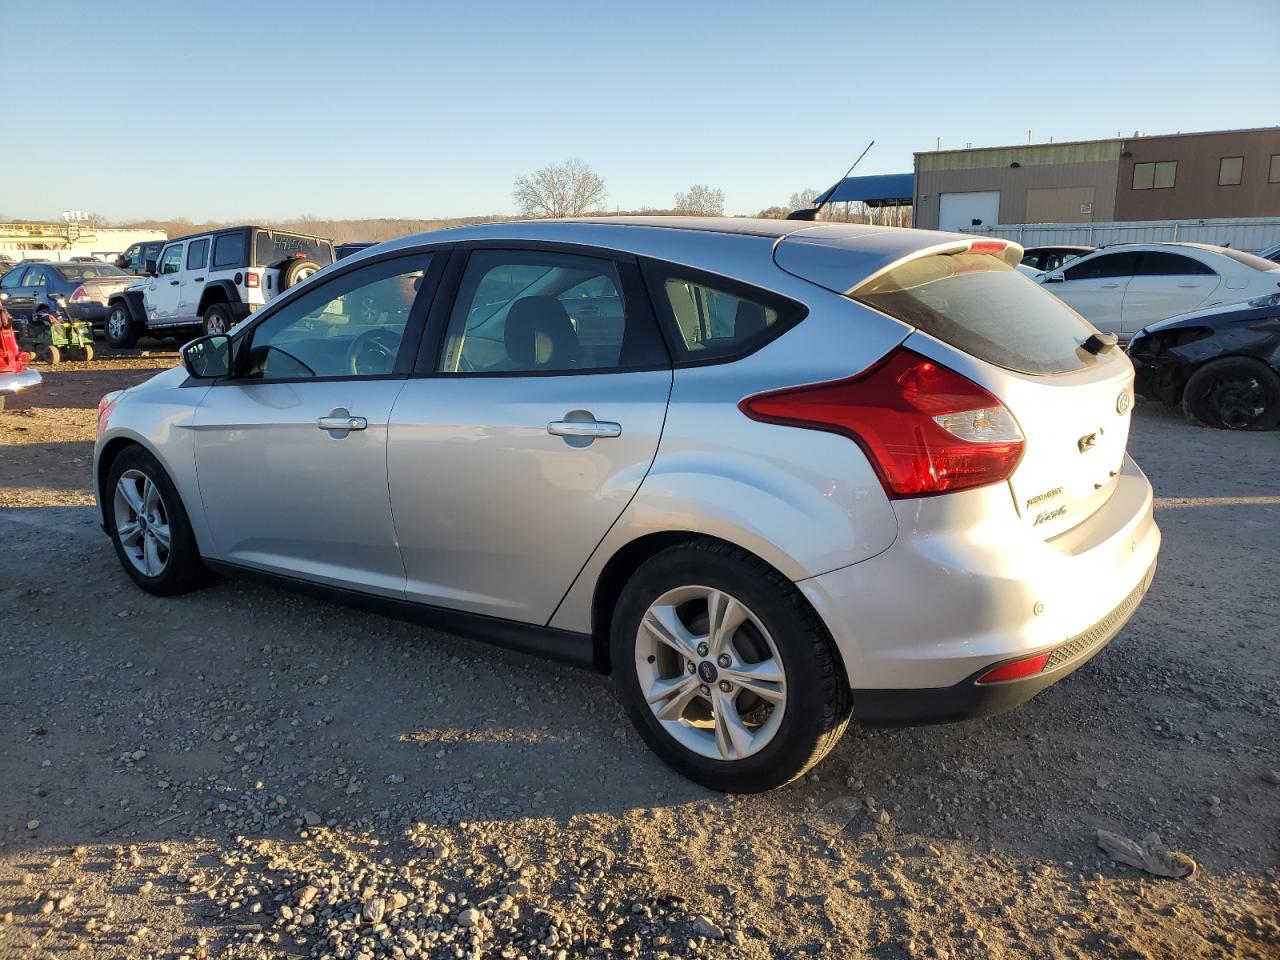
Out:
{"x": 1165, "y": 285}
{"x": 1095, "y": 286}
{"x": 534, "y": 415}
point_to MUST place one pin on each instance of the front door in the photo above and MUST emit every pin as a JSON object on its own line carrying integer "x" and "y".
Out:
{"x": 1094, "y": 287}
{"x": 528, "y": 431}
{"x": 1166, "y": 285}
{"x": 291, "y": 453}
{"x": 193, "y": 280}
{"x": 163, "y": 291}
{"x": 20, "y": 286}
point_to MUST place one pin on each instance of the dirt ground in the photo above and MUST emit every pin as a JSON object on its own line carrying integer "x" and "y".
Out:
{"x": 244, "y": 773}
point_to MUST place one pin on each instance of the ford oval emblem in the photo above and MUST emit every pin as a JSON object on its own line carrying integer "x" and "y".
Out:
{"x": 1123, "y": 402}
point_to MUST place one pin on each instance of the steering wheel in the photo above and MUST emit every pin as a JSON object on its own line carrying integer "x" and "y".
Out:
{"x": 373, "y": 352}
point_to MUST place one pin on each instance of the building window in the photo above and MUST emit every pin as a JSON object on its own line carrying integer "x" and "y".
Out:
{"x": 1229, "y": 170}
{"x": 1274, "y": 175}
{"x": 1155, "y": 176}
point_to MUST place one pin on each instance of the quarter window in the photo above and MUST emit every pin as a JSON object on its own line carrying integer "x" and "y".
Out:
{"x": 197, "y": 254}
{"x": 1155, "y": 176}
{"x": 228, "y": 251}
{"x": 351, "y": 326}
{"x": 533, "y": 312}
{"x": 1230, "y": 170}
{"x": 171, "y": 259}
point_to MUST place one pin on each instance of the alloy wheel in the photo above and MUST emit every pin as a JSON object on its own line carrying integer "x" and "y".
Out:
{"x": 115, "y": 325}
{"x": 142, "y": 522}
{"x": 711, "y": 673}
{"x": 1239, "y": 402}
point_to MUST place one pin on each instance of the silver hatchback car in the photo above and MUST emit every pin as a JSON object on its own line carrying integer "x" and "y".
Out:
{"x": 769, "y": 474}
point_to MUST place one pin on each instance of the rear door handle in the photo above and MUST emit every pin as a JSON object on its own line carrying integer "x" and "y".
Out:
{"x": 1188, "y": 286}
{"x": 342, "y": 423}
{"x": 174, "y": 283}
{"x": 584, "y": 428}
{"x": 1110, "y": 286}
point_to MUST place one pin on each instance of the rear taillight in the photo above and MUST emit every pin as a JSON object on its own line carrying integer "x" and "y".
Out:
{"x": 1016, "y": 669}
{"x": 925, "y": 428}
{"x": 251, "y": 279}
{"x": 80, "y": 296}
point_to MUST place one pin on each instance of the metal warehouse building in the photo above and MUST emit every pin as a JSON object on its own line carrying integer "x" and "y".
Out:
{"x": 1229, "y": 173}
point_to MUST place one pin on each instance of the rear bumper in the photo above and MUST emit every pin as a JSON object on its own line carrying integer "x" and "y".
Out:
{"x": 95, "y": 313}
{"x": 966, "y": 587}
{"x": 969, "y": 700}
{"x": 13, "y": 382}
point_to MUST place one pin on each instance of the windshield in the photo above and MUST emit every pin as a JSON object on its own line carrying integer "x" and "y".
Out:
{"x": 88, "y": 271}
{"x": 984, "y": 307}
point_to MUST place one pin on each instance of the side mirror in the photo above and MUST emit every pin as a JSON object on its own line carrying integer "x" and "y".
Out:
{"x": 151, "y": 268}
{"x": 208, "y": 357}
{"x": 120, "y": 262}
{"x": 1055, "y": 277}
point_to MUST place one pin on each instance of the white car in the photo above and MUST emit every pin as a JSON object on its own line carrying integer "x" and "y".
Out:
{"x": 1121, "y": 289}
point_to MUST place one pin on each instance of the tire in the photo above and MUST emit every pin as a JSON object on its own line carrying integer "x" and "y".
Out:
{"x": 121, "y": 329}
{"x": 781, "y": 635}
{"x": 217, "y": 319}
{"x": 87, "y": 351}
{"x": 49, "y": 354}
{"x": 1234, "y": 393}
{"x": 177, "y": 569}
{"x": 294, "y": 272}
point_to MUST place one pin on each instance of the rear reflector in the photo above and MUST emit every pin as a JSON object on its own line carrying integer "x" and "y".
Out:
{"x": 1017, "y": 670}
{"x": 925, "y": 428}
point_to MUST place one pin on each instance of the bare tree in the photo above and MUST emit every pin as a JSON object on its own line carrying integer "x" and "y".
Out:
{"x": 803, "y": 199}
{"x": 701, "y": 201}
{"x": 774, "y": 213}
{"x": 567, "y": 189}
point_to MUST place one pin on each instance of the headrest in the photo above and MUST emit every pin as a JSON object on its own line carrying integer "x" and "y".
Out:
{"x": 540, "y": 334}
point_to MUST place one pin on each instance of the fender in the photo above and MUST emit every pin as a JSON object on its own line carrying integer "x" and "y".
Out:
{"x": 132, "y": 299}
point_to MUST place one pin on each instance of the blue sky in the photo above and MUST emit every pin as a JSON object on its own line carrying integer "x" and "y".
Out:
{"x": 420, "y": 109}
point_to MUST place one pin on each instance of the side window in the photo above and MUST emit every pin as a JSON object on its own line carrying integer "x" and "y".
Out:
{"x": 35, "y": 277}
{"x": 350, "y": 326}
{"x": 197, "y": 254}
{"x": 228, "y": 251}
{"x": 12, "y": 279}
{"x": 713, "y": 320}
{"x": 171, "y": 259}
{"x": 1172, "y": 265}
{"x": 1101, "y": 268}
{"x": 131, "y": 256}
{"x": 532, "y": 312}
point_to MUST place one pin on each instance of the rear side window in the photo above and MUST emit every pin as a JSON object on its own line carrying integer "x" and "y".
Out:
{"x": 197, "y": 254}
{"x": 981, "y": 305}
{"x": 715, "y": 318}
{"x": 228, "y": 250}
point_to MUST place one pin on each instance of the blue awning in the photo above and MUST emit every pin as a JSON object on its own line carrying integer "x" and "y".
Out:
{"x": 877, "y": 191}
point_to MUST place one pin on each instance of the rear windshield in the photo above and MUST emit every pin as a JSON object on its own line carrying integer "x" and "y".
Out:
{"x": 273, "y": 247}
{"x": 1250, "y": 259}
{"x": 981, "y": 305}
{"x": 88, "y": 271}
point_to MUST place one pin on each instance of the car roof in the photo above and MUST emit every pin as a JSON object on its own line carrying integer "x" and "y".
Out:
{"x": 1163, "y": 245}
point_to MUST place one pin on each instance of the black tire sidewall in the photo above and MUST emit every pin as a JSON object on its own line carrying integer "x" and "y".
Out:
{"x": 806, "y": 719}
{"x": 217, "y": 310}
{"x": 184, "y": 569}
{"x": 1203, "y": 379}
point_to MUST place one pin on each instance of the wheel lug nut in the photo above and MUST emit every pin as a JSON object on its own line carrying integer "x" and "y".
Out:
{"x": 693, "y": 667}
{"x": 725, "y": 660}
{"x": 702, "y": 649}
{"x": 704, "y": 690}
{"x": 726, "y": 686}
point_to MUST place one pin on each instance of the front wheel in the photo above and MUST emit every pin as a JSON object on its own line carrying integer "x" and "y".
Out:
{"x": 122, "y": 332}
{"x": 725, "y": 669}
{"x": 149, "y": 526}
{"x": 1234, "y": 393}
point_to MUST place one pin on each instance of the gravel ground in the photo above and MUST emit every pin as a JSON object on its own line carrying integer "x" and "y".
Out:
{"x": 245, "y": 773}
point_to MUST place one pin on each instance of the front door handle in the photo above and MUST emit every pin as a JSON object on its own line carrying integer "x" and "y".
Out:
{"x": 584, "y": 428}
{"x": 174, "y": 283}
{"x": 346, "y": 422}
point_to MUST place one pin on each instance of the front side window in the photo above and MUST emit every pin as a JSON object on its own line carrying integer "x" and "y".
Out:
{"x": 1107, "y": 266}
{"x": 197, "y": 254}
{"x": 1171, "y": 265}
{"x": 351, "y": 326}
{"x": 12, "y": 279}
{"x": 1230, "y": 170}
{"x": 532, "y": 312}
{"x": 131, "y": 256}
{"x": 228, "y": 251}
{"x": 171, "y": 259}
{"x": 1155, "y": 176}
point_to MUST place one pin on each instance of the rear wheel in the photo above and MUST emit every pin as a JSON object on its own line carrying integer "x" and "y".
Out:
{"x": 217, "y": 319}
{"x": 122, "y": 332}
{"x": 149, "y": 526}
{"x": 1235, "y": 393}
{"x": 725, "y": 669}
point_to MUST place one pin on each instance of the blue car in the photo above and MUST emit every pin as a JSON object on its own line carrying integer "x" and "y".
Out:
{"x": 84, "y": 286}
